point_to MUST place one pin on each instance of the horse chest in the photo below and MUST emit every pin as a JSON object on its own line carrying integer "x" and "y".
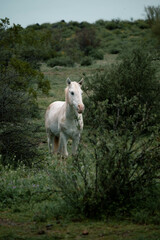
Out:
{"x": 70, "y": 128}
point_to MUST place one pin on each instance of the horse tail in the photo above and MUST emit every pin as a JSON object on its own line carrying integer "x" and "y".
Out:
{"x": 56, "y": 144}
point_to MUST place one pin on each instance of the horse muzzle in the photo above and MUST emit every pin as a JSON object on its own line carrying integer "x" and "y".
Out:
{"x": 80, "y": 108}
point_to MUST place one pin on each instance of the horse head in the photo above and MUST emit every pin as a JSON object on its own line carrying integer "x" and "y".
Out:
{"x": 74, "y": 95}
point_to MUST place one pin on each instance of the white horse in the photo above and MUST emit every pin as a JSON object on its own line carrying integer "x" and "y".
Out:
{"x": 63, "y": 120}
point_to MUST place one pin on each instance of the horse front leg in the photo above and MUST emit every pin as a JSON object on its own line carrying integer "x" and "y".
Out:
{"x": 75, "y": 143}
{"x": 63, "y": 145}
{"x": 50, "y": 142}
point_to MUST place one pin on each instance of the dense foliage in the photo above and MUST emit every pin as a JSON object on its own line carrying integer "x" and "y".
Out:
{"x": 153, "y": 19}
{"x": 132, "y": 81}
{"x": 20, "y": 83}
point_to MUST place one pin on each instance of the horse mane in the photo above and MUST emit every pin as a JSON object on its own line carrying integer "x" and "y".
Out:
{"x": 66, "y": 95}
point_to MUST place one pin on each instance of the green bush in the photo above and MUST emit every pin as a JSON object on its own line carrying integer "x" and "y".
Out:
{"x": 72, "y": 50}
{"x": 19, "y": 86}
{"x": 112, "y": 25}
{"x": 142, "y": 24}
{"x": 114, "y": 50}
{"x": 18, "y": 136}
{"x": 86, "y": 61}
{"x": 123, "y": 112}
{"x": 60, "y": 61}
{"x": 147, "y": 211}
{"x": 105, "y": 180}
{"x": 75, "y": 181}
{"x": 87, "y": 39}
{"x": 133, "y": 78}
{"x": 115, "y": 47}
{"x": 153, "y": 19}
{"x": 152, "y": 14}
{"x": 97, "y": 54}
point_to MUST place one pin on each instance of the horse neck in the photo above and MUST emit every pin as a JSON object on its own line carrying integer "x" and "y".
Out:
{"x": 70, "y": 111}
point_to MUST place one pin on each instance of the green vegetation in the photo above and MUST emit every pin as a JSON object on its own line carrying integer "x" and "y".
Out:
{"x": 120, "y": 103}
{"x": 60, "y": 61}
{"x": 111, "y": 189}
{"x": 20, "y": 83}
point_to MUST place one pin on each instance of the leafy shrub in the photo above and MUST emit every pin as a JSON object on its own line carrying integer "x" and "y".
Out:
{"x": 19, "y": 86}
{"x": 17, "y": 142}
{"x": 87, "y": 39}
{"x": 115, "y": 47}
{"x": 123, "y": 109}
{"x": 60, "y": 61}
{"x": 112, "y": 25}
{"x": 156, "y": 30}
{"x": 153, "y": 19}
{"x": 114, "y": 50}
{"x": 105, "y": 179}
{"x": 75, "y": 182}
{"x": 133, "y": 78}
{"x": 86, "y": 61}
{"x": 97, "y": 54}
{"x": 141, "y": 24}
{"x": 147, "y": 211}
{"x": 152, "y": 14}
{"x": 72, "y": 50}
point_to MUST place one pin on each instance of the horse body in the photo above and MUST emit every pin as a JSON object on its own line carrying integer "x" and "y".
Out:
{"x": 64, "y": 120}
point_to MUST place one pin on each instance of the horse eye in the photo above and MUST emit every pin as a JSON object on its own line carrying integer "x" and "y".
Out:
{"x": 72, "y": 93}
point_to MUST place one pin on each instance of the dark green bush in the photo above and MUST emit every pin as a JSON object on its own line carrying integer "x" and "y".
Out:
{"x": 112, "y": 25}
{"x": 148, "y": 209}
{"x": 142, "y": 24}
{"x": 72, "y": 50}
{"x": 134, "y": 77}
{"x": 114, "y": 50}
{"x": 97, "y": 54}
{"x": 19, "y": 86}
{"x": 123, "y": 114}
{"x": 18, "y": 135}
{"x": 60, "y": 61}
{"x": 86, "y": 61}
{"x": 105, "y": 180}
{"x": 87, "y": 39}
{"x": 153, "y": 19}
{"x": 152, "y": 14}
{"x": 115, "y": 47}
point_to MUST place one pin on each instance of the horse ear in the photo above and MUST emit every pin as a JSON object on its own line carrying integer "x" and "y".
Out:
{"x": 68, "y": 81}
{"x": 81, "y": 81}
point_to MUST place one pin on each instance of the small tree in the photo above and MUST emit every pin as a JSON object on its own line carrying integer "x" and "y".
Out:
{"x": 152, "y": 14}
{"x": 134, "y": 77}
{"x": 153, "y": 18}
{"x": 17, "y": 132}
{"x": 19, "y": 86}
{"x": 87, "y": 40}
